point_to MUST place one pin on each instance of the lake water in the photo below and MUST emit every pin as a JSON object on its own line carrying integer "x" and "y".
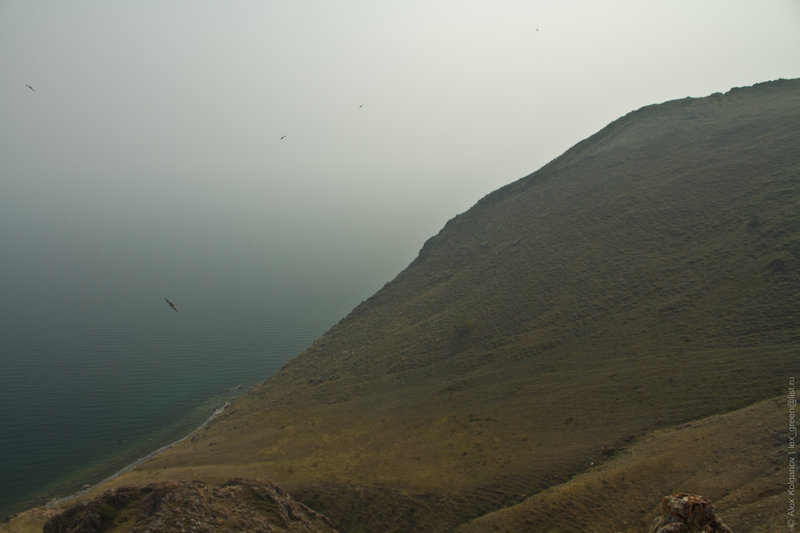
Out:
{"x": 96, "y": 370}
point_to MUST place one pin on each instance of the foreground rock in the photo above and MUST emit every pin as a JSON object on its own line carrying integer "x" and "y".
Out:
{"x": 239, "y": 505}
{"x": 688, "y": 513}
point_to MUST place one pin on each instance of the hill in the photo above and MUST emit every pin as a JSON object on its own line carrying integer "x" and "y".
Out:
{"x": 576, "y": 333}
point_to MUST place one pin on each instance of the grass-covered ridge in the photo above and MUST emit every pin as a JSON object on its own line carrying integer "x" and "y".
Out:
{"x": 648, "y": 277}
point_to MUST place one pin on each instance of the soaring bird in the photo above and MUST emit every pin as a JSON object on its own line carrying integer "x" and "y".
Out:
{"x": 172, "y": 305}
{"x": 29, "y": 87}
{"x": 282, "y": 137}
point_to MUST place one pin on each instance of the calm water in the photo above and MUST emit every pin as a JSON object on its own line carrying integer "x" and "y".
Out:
{"x": 96, "y": 370}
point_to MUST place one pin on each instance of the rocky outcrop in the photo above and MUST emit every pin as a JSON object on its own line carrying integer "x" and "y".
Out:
{"x": 687, "y": 513}
{"x": 239, "y": 505}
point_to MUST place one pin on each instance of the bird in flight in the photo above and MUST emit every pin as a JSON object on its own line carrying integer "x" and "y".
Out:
{"x": 29, "y": 87}
{"x": 172, "y": 305}
{"x": 283, "y": 137}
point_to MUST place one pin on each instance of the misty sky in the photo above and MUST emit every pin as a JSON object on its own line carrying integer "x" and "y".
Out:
{"x": 158, "y": 124}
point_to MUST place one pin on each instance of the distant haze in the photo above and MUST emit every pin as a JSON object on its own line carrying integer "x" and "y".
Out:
{"x": 160, "y": 122}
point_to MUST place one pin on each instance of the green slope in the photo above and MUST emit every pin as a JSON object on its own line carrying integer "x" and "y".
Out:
{"x": 648, "y": 277}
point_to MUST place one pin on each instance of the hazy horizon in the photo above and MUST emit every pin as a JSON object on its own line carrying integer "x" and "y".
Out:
{"x": 152, "y": 122}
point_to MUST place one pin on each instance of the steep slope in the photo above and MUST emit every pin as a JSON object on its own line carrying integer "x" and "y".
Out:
{"x": 648, "y": 277}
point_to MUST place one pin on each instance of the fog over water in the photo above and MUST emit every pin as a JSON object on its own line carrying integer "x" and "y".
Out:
{"x": 267, "y": 165}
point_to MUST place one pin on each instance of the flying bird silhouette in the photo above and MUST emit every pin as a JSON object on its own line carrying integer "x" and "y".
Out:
{"x": 172, "y": 305}
{"x": 29, "y": 87}
{"x": 283, "y": 137}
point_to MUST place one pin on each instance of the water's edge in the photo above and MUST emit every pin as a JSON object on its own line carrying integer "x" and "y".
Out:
{"x": 56, "y": 502}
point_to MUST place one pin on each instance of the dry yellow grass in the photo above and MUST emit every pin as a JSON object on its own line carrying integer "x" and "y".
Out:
{"x": 738, "y": 460}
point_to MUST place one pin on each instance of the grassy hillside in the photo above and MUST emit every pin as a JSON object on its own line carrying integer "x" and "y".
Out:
{"x": 737, "y": 460}
{"x": 647, "y": 278}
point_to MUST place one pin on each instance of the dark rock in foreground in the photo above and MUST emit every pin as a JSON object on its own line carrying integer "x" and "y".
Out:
{"x": 687, "y": 513}
{"x": 238, "y": 505}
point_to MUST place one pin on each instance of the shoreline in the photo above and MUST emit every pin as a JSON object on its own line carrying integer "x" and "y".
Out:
{"x": 55, "y": 502}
